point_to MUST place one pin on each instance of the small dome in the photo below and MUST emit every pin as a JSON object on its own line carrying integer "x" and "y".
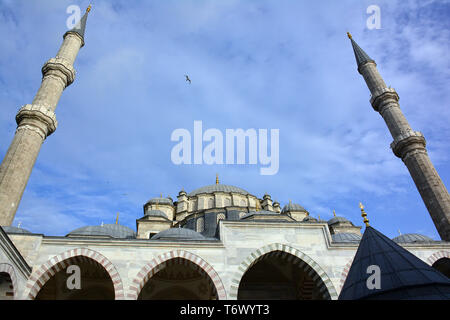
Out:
{"x": 337, "y": 219}
{"x": 346, "y": 237}
{"x": 167, "y": 201}
{"x": 109, "y": 230}
{"x": 309, "y": 219}
{"x": 411, "y": 238}
{"x": 11, "y": 229}
{"x": 293, "y": 207}
{"x": 156, "y": 213}
{"x": 217, "y": 188}
{"x": 178, "y": 234}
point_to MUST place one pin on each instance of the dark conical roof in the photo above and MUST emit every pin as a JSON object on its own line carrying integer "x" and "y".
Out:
{"x": 80, "y": 27}
{"x": 402, "y": 274}
{"x": 360, "y": 55}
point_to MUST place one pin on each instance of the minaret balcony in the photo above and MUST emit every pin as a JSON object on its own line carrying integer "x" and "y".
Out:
{"x": 381, "y": 95}
{"x": 61, "y": 68}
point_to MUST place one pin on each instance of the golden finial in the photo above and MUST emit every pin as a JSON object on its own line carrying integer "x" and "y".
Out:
{"x": 349, "y": 35}
{"x": 88, "y": 8}
{"x": 364, "y": 215}
{"x": 217, "y": 178}
{"x": 160, "y": 195}
{"x": 290, "y": 201}
{"x": 318, "y": 216}
{"x": 117, "y": 218}
{"x": 334, "y": 213}
{"x": 257, "y": 204}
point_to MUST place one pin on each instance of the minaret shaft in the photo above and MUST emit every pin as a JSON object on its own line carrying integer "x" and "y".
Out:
{"x": 35, "y": 122}
{"x": 408, "y": 145}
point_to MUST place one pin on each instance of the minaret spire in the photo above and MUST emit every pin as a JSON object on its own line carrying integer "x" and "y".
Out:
{"x": 360, "y": 56}
{"x": 80, "y": 27}
{"x": 408, "y": 145}
{"x": 36, "y": 121}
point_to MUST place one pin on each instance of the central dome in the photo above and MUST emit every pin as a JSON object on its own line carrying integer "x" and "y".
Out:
{"x": 217, "y": 188}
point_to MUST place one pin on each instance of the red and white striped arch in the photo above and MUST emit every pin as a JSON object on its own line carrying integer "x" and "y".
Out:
{"x": 43, "y": 273}
{"x": 291, "y": 254}
{"x": 344, "y": 273}
{"x": 438, "y": 255}
{"x": 7, "y": 268}
{"x": 160, "y": 262}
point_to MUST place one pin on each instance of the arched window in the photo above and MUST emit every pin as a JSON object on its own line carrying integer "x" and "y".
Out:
{"x": 200, "y": 224}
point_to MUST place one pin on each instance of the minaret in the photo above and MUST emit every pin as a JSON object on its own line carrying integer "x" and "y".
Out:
{"x": 36, "y": 121}
{"x": 408, "y": 145}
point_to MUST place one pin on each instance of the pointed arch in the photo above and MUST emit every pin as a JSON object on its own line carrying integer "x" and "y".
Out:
{"x": 157, "y": 264}
{"x": 59, "y": 262}
{"x": 9, "y": 269}
{"x": 438, "y": 255}
{"x": 307, "y": 264}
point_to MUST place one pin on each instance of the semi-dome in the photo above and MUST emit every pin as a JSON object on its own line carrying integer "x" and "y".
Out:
{"x": 337, "y": 219}
{"x": 217, "y": 188}
{"x": 178, "y": 234}
{"x": 108, "y": 230}
{"x": 346, "y": 237}
{"x": 411, "y": 238}
{"x": 293, "y": 207}
{"x": 260, "y": 212}
{"x": 11, "y": 229}
{"x": 156, "y": 213}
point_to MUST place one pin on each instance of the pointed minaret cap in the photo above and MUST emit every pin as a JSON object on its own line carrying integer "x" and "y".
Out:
{"x": 361, "y": 57}
{"x": 401, "y": 275}
{"x": 80, "y": 27}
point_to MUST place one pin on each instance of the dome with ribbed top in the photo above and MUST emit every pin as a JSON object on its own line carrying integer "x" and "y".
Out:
{"x": 338, "y": 219}
{"x": 218, "y": 188}
{"x": 412, "y": 238}
{"x": 293, "y": 207}
{"x": 160, "y": 200}
{"x": 107, "y": 230}
{"x": 346, "y": 237}
{"x": 11, "y": 229}
{"x": 178, "y": 234}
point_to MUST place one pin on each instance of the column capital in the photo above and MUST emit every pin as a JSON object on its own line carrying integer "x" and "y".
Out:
{"x": 38, "y": 117}
{"x": 383, "y": 96}
{"x": 61, "y": 68}
{"x": 407, "y": 142}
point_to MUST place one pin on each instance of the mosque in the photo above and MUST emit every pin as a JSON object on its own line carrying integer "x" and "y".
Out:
{"x": 218, "y": 241}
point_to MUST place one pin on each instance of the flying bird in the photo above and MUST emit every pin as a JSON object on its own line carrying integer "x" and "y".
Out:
{"x": 187, "y": 78}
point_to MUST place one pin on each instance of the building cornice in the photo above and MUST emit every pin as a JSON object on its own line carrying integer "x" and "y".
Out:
{"x": 13, "y": 254}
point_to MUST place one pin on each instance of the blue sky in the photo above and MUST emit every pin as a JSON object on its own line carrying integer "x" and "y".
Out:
{"x": 284, "y": 65}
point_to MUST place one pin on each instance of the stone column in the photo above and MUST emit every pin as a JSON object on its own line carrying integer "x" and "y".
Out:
{"x": 410, "y": 145}
{"x": 35, "y": 122}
